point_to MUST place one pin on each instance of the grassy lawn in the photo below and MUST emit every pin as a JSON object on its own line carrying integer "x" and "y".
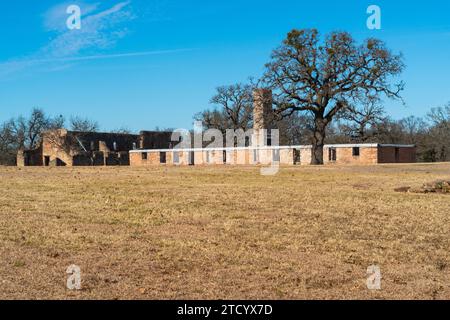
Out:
{"x": 223, "y": 232}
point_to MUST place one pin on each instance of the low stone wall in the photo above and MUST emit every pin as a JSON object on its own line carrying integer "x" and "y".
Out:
{"x": 238, "y": 156}
{"x": 366, "y": 155}
{"x": 296, "y": 155}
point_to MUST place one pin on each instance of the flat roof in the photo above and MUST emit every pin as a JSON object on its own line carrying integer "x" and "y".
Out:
{"x": 357, "y": 145}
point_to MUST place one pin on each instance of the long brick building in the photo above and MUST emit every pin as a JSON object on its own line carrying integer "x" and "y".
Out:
{"x": 70, "y": 148}
{"x": 260, "y": 150}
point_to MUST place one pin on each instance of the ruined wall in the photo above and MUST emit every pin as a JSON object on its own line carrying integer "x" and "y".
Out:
{"x": 20, "y": 159}
{"x": 213, "y": 157}
{"x": 56, "y": 149}
{"x": 155, "y": 140}
{"x": 344, "y": 155}
{"x": 287, "y": 156}
{"x": 199, "y": 158}
{"x": 305, "y": 156}
{"x": 99, "y": 141}
{"x": 216, "y": 157}
{"x": 29, "y": 157}
{"x": 153, "y": 158}
{"x": 300, "y": 155}
{"x": 392, "y": 154}
{"x": 71, "y": 148}
{"x": 117, "y": 159}
{"x": 242, "y": 156}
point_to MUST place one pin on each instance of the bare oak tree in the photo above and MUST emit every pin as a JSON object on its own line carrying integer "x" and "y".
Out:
{"x": 234, "y": 108}
{"x": 325, "y": 77}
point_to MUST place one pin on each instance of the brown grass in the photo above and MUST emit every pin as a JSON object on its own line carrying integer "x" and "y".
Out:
{"x": 204, "y": 232}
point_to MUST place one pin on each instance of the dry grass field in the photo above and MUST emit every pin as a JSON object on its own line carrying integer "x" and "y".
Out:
{"x": 223, "y": 233}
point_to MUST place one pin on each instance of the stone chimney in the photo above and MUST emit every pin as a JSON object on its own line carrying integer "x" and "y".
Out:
{"x": 262, "y": 115}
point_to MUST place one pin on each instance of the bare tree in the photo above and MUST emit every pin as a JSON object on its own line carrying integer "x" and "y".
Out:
{"x": 324, "y": 78}
{"x": 439, "y": 134}
{"x": 359, "y": 123}
{"x": 440, "y": 115}
{"x": 213, "y": 119}
{"x": 295, "y": 129}
{"x": 234, "y": 108}
{"x": 83, "y": 124}
{"x": 122, "y": 130}
{"x": 8, "y": 143}
{"x": 413, "y": 129}
{"x": 25, "y": 133}
{"x": 28, "y": 132}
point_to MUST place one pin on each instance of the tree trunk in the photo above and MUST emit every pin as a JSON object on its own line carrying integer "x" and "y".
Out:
{"x": 318, "y": 141}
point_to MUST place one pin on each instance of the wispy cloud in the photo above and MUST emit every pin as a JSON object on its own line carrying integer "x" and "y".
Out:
{"x": 101, "y": 29}
{"x": 25, "y": 63}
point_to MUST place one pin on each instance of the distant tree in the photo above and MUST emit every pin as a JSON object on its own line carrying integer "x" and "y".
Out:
{"x": 122, "y": 130}
{"x": 8, "y": 144}
{"x": 28, "y": 132}
{"x": 83, "y": 124}
{"x": 438, "y": 138}
{"x": 233, "y": 108}
{"x": 25, "y": 133}
{"x": 213, "y": 119}
{"x": 359, "y": 123}
{"x": 440, "y": 115}
{"x": 414, "y": 128}
{"x": 390, "y": 131}
{"x": 326, "y": 77}
{"x": 295, "y": 129}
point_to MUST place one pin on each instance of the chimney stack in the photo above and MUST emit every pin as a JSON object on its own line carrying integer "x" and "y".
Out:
{"x": 262, "y": 114}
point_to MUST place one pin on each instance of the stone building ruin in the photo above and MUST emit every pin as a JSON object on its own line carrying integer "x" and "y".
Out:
{"x": 149, "y": 148}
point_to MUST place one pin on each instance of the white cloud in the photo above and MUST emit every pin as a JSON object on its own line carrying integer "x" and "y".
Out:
{"x": 100, "y": 30}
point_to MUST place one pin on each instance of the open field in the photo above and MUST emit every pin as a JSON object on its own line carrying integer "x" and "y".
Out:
{"x": 223, "y": 232}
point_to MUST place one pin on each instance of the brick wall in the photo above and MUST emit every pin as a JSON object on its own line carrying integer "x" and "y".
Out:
{"x": 367, "y": 155}
{"x": 391, "y": 154}
{"x": 155, "y": 140}
{"x": 344, "y": 155}
{"x": 29, "y": 157}
{"x": 56, "y": 150}
{"x": 305, "y": 156}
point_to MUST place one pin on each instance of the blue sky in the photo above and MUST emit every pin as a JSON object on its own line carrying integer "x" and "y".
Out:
{"x": 140, "y": 64}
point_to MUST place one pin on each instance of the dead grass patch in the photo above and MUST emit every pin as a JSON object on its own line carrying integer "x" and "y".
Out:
{"x": 223, "y": 232}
